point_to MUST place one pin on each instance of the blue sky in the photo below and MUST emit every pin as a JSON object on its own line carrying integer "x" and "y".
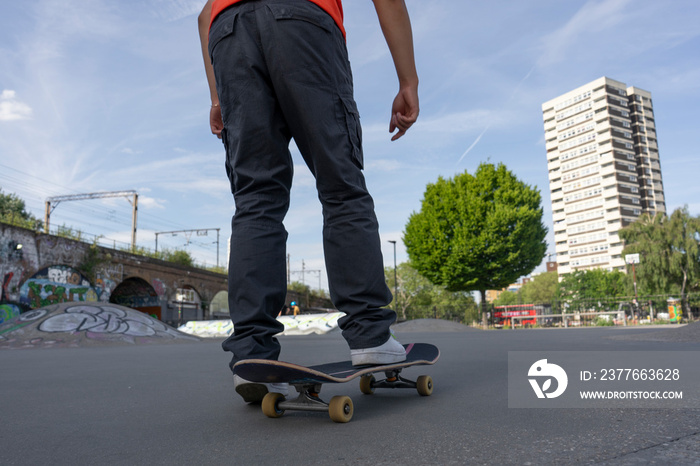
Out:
{"x": 99, "y": 95}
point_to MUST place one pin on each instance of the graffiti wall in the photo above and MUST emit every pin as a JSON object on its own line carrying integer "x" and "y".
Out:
{"x": 302, "y": 324}
{"x": 70, "y": 325}
{"x": 37, "y": 270}
{"x": 56, "y": 284}
{"x": 14, "y": 260}
{"x": 9, "y": 311}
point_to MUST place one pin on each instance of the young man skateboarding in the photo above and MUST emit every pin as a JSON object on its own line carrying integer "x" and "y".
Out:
{"x": 278, "y": 69}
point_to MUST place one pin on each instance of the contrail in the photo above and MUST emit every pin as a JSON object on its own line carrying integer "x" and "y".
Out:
{"x": 515, "y": 91}
{"x": 473, "y": 144}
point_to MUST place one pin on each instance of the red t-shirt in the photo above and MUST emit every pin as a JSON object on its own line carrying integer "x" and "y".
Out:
{"x": 332, "y": 7}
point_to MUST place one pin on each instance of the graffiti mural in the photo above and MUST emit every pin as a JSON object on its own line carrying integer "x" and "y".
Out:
{"x": 160, "y": 287}
{"x": 71, "y": 325}
{"x": 11, "y": 251}
{"x": 37, "y": 270}
{"x": 56, "y": 284}
{"x": 12, "y": 265}
{"x": 104, "y": 320}
{"x": 208, "y": 328}
{"x": 22, "y": 321}
{"x": 9, "y": 311}
{"x": 61, "y": 251}
{"x": 302, "y": 324}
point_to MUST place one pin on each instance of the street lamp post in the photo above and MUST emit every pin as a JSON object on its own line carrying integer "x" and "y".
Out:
{"x": 396, "y": 283}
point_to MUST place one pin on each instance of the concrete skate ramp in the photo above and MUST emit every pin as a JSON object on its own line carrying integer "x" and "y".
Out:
{"x": 431, "y": 325}
{"x": 675, "y": 333}
{"x": 302, "y": 324}
{"x": 80, "y": 324}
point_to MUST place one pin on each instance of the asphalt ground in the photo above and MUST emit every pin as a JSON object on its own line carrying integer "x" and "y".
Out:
{"x": 175, "y": 404}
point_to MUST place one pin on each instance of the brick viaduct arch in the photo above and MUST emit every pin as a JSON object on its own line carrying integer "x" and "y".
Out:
{"x": 38, "y": 269}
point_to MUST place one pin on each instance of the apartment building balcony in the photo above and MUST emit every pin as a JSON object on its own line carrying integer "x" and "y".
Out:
{"x": 607, "y": 169}
{"x": 599, "y": 104}
{"x": 613, "y": 203}
{"x": 554, "y": 164}
{"x": 605, "y": 146}
{"x": 603, "y": 126}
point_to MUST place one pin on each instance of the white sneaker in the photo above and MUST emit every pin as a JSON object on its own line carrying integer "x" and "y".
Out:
{"x": 254, "y": 392}
{"x": 390, "y": 352}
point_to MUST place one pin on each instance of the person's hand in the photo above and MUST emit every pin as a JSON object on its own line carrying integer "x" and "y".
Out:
{"x": 404, "y": 111}
{"x": 215, "y": 121}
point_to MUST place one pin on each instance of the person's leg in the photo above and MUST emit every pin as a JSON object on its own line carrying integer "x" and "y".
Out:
{"x": 310, "y": 72}
{"x": 260, "y": 169}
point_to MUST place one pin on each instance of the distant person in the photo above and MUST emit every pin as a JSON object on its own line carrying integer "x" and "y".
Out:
{"x": 277, "y": 70}
{"x": 295, "y": 308}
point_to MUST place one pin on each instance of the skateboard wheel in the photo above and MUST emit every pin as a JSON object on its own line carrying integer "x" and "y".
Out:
{"x": 340, "y": 409}
{"x": 424, "y": 385}
{"x": 270, "y": 405}
{"x": 366, "y": 383}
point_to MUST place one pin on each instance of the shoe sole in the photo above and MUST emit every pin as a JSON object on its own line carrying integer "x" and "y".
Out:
{"x": 252, "y": 392}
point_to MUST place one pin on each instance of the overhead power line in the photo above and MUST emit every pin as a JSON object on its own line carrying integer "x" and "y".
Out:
{"x": 188, "y": 233}
{"x": 55, "y": 200}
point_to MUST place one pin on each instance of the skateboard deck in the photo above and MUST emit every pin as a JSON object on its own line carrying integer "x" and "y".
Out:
{"x": 308, "y": 380}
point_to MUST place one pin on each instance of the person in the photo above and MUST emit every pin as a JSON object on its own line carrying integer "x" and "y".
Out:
{"x": 277, "y": 70}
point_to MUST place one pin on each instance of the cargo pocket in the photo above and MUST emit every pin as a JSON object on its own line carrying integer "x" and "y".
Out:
{"x": 222, "y": 28}
{"x": 309, "y": 13}
{"x": 354, "y": 129}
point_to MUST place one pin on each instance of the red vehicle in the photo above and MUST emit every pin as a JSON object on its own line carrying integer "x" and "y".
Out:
{"x": 502, "y": 314}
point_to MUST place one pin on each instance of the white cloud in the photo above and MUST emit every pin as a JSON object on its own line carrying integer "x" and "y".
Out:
{"x": 593, "y": 18}
{"x": 12, "y": 109}
{"x": 151, "y": 202}
{"x": 384, "y": 165}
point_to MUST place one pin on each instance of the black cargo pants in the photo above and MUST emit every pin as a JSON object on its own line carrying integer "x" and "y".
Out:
{"x": 282, "y": 72}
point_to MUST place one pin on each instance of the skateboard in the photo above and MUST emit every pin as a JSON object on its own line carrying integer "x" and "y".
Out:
{"x": 308, "y": 381}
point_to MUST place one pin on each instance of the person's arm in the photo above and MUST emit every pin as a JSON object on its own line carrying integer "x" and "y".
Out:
{"x": 204, "y": 19}
{"x": 396, "y": 27}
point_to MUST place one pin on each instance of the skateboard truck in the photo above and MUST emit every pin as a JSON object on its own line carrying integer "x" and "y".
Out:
{"x": 307, "y": 400}
{"x": 340, "y": 408}
{"x": 392, "y": 380}
{"x": 424, "y": 383}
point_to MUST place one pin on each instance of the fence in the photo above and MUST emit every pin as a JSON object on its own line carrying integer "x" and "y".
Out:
{"x": 100, "y": 240}
{"x": 622, "y": 311}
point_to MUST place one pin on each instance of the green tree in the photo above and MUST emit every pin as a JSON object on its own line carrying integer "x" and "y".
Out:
{"x": 684, "y": 233}
{"x": 418, "y": 298}
{"x": 14, "y": 212}
{"x": 299, "y": 287}
{"x": 591, "y": 288}
{"x": 649, "y": 238}
{"x": 507, "y": 298}
{"x": 477, "y": 232}
{"x": 93, "y": 259}
{"x": 179, "y": 257}
{"x": 413, "y": 289}
{"x": 669, "y": 252}
{"x": 542, "y": 289}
